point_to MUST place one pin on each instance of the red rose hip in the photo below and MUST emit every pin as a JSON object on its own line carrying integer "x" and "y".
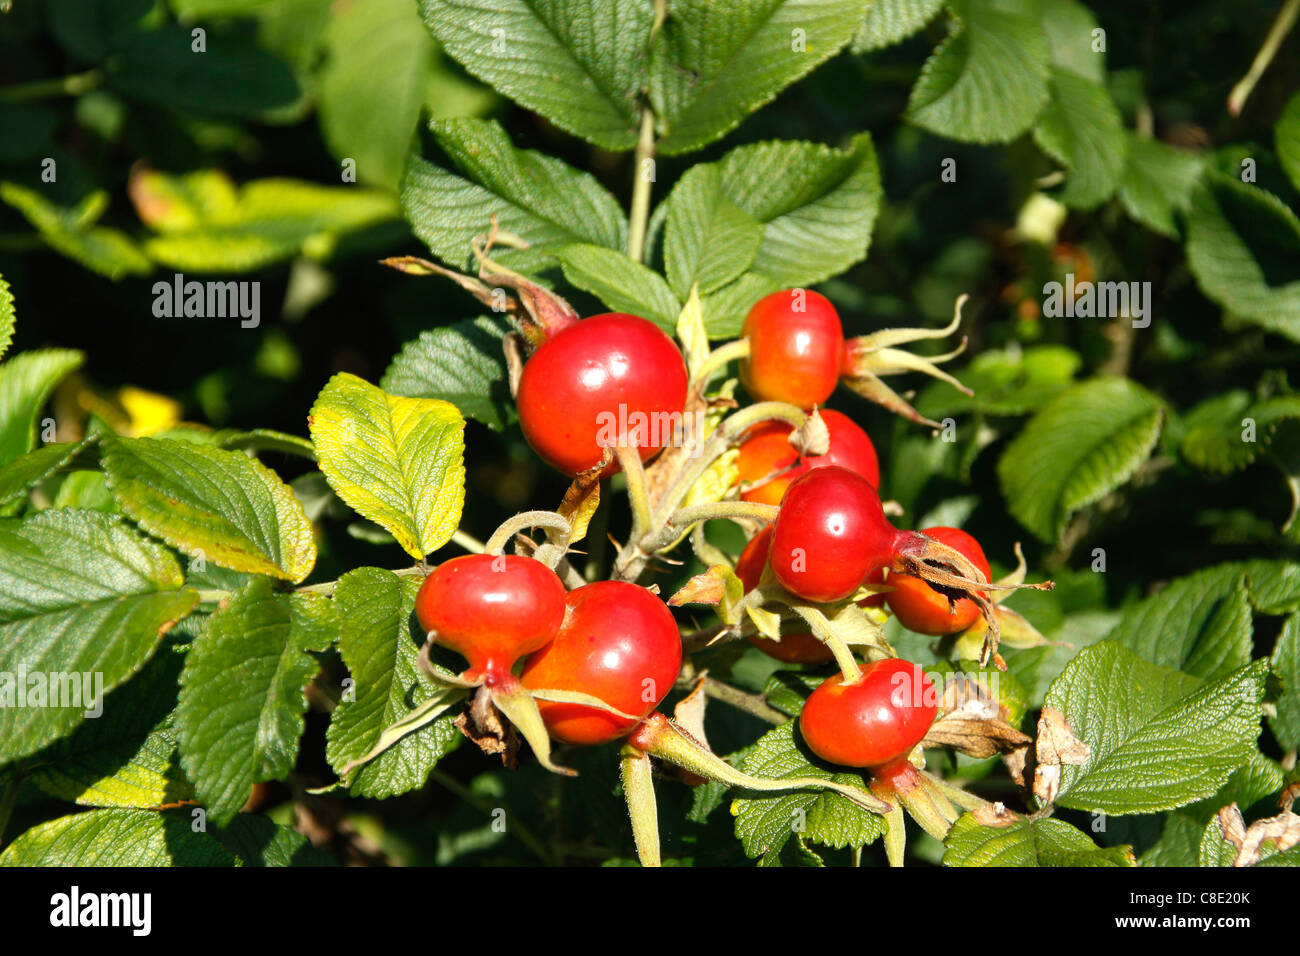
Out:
{"x": 491, "y": 609}
{"x": 830, "y": 535}
{"x": 874, "y": 721}
{"x": 619, "y": 643}
{"x": 921, "y": 608}
{"x": 796, "y": 348}
{"x": 605, "y": 377}
{"x": 767, "y": 449}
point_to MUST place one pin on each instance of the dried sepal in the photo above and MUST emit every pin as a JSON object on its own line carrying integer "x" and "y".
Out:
{"x": 868, "y": 358}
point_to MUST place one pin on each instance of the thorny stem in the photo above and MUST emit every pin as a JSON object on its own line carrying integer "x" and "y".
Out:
{"x": 631, "y": 560}
{"x": 823, "y": 631}
{"x": 697, "y": 640}
{"x": 723, "y": 509}
{"x": 705, "y": 551}
{"x": 629, "y": 459}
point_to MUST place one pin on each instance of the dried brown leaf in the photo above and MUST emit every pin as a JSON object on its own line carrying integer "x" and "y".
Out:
{"x": 1055, "y": 747}
{"x": 1282, "y": 831}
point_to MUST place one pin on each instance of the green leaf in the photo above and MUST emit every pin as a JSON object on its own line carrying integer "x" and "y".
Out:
{"x": 258, "y": 841}
{"x": 207, "y": 225}
{"x": 708, "y": 238}
{"x": 889, "y": 21}
{"x": 764, "y": 822}
{"x": 1178, "y": 844}
{"x": 23, "y": 474}
{"x": 578, "y": 63}
{"x": 1028, "y": 843}
{"x": 787, "y": 691}
{"x": 1081, "y": 128}
{"x": 127, "y": 757}
{"x": 1286, "y": 139}
{"x": 623, "y": 284}
{"x": 378, "y": 52}
{"x": 1286, "y": 667}
{"x": 1215, "y": 850}
{"x": 1181, "y": 835}
{"x": 1159, "y": 738}
{"x": 1274, "y": 586}
{"x": 293, "y": 30}
{"x": 709, "y": 70}
{"x": 462, "y": 363}
{"x": 83, "y": 598}
{"x": 1069, "y": 26}
{"x": 88, "y": 490}
{"x": 91, "y": 29}
{"x": 242, "y": 692}
{"x": 1083, "y": 445}
{"x": 817, "y": 207}
{"x": 223, "y": 505}
{"x": 1157, "y": 183}
{"x": 725, "y": 310}
{"x": 1252, "y": 782}
{"x": 231, "y": 77}
{"x": 7, "y": 317}
{"x": 536, "y": 197}
{"x": 70, "y": 232}
{"x": 264, "y": 439}
{"x": 988, "y": 81}
{"x": 397, "y": 461}
{"x": 26, "y": 382}
{"x": 1008, "y": 382}
{"x": 1200, "y": 624}
{"x": 119, "y": 837}
{"x": 1215, "y": 435}
{"x": 380, "y": 648}
{"x": 1289, "y": 857}
{"x": 1242, "y": 246}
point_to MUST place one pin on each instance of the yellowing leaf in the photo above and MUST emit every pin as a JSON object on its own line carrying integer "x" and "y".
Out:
{"x": 220, "y": 505}
{"x": 397, "y": 461}
{"x": 692, "y": 333}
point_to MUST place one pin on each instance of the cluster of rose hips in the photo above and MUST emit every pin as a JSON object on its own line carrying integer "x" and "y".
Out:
{"x": 597, "y": 660}
{"x": 612, "y": 640}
